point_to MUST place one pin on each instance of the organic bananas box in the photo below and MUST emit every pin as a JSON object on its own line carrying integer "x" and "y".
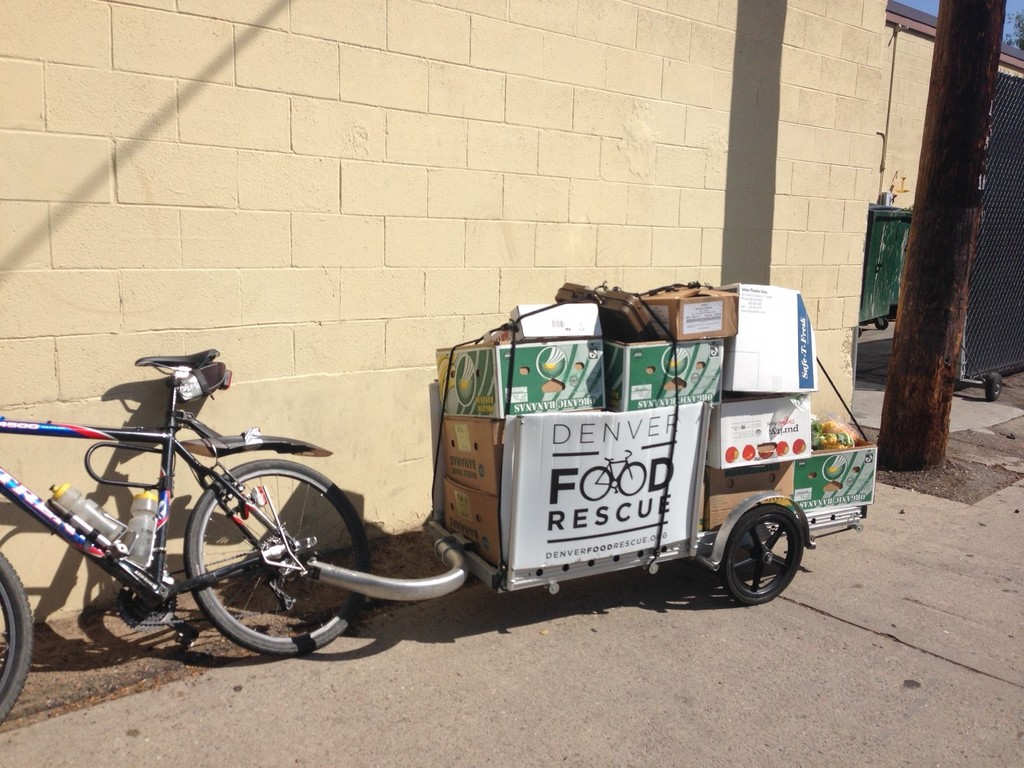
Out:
{"x": 545, "y": 376}
{"x": 652, "y": 374}
{"x": 836, "y": 478}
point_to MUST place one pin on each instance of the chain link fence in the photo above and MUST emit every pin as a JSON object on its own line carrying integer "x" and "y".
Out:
{"x": 994, "y": 334}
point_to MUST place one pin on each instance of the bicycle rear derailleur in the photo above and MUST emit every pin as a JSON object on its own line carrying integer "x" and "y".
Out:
{"x": 137, "y": 615}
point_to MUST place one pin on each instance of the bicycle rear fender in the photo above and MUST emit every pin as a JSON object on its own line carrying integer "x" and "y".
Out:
{"x": 227, "y": 445}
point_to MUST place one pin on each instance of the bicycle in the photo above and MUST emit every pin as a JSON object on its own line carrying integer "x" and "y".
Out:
{"x": 629, "y": 481}
{"x": 254, "y": 541}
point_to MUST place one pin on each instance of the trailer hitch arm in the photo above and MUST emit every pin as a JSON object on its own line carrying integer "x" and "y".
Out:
{"x": 384, "y": 588}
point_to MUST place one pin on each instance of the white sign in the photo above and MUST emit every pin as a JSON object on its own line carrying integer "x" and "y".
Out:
{"x": 703, "y": 317}
{"x": 583, "y": 486}
{"x": 773, "y": 350}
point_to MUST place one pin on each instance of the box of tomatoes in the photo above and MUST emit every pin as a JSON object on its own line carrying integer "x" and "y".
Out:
{"x": 760, "y": 430}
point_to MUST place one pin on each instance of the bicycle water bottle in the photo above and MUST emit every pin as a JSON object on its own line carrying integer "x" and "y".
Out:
{"x": 71, "y": 501}
{"x": 143, "y": 525}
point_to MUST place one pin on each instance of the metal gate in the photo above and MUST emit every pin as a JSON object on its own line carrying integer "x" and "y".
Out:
{"x": 994, "y": 333}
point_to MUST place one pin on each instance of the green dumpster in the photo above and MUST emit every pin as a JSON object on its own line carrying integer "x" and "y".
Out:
{"x": 887, "y": 235}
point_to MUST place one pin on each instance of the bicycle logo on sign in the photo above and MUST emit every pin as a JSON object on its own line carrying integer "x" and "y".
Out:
{"x": 598, "y": 482}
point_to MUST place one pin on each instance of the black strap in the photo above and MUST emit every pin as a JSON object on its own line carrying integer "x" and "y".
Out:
{"x": 670, "y": 332}
{"x": 841, "y": 400}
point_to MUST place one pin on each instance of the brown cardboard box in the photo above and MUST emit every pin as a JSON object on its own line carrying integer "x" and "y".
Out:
{"x": 474, "y": 515}
{"x": 725, "y": 488}
{"x": 696, "y": 313}
{"x": 472, "y": 452}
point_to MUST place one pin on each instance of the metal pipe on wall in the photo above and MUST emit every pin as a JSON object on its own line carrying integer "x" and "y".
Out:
{"x": 888, "y": 111}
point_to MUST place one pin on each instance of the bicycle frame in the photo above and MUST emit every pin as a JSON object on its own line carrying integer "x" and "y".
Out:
{"x": 150, "y": 582}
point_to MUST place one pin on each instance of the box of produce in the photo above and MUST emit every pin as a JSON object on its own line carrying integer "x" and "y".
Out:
{"x": 472, "y": 452}
{"x": 759, "y": 430}
{"x": 650, "y": 374}
{"x": 694, "y": 313}
{"x": 725, "y": 488}
{"x": 473, "y": 514}
{"x": 836, "y": 478}
{"x": 545, "y": 376}
{"x": 773, "y": 349}
{"x": 556, "y": 321}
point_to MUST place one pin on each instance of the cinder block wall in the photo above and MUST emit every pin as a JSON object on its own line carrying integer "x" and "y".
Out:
{"x": 911, "y": 77}
{"x": 326, "y": 191}
{"x": 831, "y": 105}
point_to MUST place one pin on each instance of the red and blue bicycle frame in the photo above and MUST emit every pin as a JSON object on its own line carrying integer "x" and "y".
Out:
{"x": 150, "y": 582}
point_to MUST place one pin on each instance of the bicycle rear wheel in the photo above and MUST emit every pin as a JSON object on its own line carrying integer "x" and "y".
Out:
{"x": 265, "y": 609}
{"x": 15, "y": 637}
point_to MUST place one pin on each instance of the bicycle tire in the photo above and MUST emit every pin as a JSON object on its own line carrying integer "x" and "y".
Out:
{"x": 15, "y": 637}
{"x": 628, "y": 473}
{"x": 592, "y": 479}
{"x": 245, "y": 608}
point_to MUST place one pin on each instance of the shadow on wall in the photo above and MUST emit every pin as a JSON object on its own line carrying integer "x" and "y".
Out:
{"x": 187, "y": 90}
{"x": 145, "y": 404}
{"x": 753, "y": 142}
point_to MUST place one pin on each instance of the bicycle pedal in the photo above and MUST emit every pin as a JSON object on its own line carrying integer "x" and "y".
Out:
{"x": 185, "y": 632}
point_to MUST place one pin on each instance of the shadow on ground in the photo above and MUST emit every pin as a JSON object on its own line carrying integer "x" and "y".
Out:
{"x": 80, "y": 662}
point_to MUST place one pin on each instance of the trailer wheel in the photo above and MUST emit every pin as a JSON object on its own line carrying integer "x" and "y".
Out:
{"x": 881, "y": 323}
{"x": 762, "y": 555}
{"x": 993, "y": 385}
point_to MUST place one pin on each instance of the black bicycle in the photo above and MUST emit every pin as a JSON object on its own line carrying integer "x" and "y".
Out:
{"x": 254, "y": 541}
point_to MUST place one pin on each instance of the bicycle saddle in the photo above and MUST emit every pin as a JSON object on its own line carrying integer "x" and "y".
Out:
{"x": 197, "y": 360}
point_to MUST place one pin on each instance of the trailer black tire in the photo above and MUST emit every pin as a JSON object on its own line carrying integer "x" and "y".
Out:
{"x": 993, "y": 386}
{"x": 752, "y": 568}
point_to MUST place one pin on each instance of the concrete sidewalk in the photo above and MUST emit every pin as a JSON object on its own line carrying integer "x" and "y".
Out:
{"x": 969, "y": 411}
{"x": 898, "y": 646}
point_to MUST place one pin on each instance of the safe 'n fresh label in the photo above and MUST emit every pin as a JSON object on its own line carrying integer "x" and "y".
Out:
{"x": 835, "y": 479}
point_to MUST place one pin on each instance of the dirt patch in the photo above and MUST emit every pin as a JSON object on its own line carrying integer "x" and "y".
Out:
{"x": 79, "y": 662}
{"x": 956, "y": 480}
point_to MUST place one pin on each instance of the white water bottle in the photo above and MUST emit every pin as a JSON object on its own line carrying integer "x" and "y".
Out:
{"x": 143, "y": 525}
{"x": 72, "y": 501}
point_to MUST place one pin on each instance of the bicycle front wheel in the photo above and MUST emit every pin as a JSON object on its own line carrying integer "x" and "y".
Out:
{"x": 270, "y": 609}
{"x": 15, "y": 637}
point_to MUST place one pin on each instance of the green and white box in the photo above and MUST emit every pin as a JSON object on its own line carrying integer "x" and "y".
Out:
{"x": 649, "y": 375}
{"x": 546, "y": 376}
{"x": 836, "y": 478}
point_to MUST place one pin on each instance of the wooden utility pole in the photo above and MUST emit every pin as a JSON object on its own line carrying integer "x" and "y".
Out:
{"x": 923, "y": 367}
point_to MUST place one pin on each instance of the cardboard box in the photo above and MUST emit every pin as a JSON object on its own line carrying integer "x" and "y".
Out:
{"x": 473, "y": 514}
{"x": 586, "y": 486}
{"x": 557, "y": 321}
{"x": 759, "y": 430}
{"x": 696, "y": 313}
{"x": 472, "y": 452}
{"x": 836, "y": 478}
{"x": 649, "y": 375}
{"x": 725, "y": 488}
{"x": 546, "y": 376}
{"x": 773, "y": 349}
